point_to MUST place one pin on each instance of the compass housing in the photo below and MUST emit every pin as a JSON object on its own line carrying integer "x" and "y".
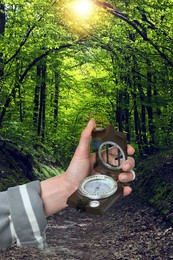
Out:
{"x": 97, "y": 193}
{"x": 104, "y": 140}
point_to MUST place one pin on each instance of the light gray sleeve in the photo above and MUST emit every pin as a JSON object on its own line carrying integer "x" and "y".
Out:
{"x": 5, "y": 232}
{"x": 23, "y": 216}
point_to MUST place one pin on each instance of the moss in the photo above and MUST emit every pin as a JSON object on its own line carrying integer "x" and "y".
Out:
{"x": 43, "y": 171}
{"x": 165, "y": 211}
{"x": 17, "y": 168}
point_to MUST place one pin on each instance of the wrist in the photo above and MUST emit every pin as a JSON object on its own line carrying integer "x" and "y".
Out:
{"x": 55, "y": 192}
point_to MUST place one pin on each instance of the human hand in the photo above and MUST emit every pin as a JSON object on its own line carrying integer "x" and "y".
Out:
{"x": 83, "y": 161}
{"x": 56, "y": 190}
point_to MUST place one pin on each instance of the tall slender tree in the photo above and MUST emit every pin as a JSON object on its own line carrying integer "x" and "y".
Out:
{"x": 2, "y": 30}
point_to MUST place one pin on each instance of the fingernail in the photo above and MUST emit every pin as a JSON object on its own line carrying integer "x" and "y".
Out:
{"x": 89, "y": 122}
{"x": 127, "y": 167}
{"x": 123, "y": 177}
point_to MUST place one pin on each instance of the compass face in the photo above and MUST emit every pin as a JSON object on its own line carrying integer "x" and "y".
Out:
{"x": 98, "y": 187}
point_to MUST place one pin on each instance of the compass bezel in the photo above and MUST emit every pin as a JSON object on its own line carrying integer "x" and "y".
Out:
{"x": 113, "y": 187}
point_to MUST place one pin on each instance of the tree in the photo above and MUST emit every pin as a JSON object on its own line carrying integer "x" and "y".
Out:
{"x": 2, "y": 29}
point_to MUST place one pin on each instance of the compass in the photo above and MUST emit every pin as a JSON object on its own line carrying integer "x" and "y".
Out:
{"x": 98, "y": 192}
{"x": 98, "y": 187}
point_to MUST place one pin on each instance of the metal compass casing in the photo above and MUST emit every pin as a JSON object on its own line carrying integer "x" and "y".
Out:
{"x": 98, "y": 192}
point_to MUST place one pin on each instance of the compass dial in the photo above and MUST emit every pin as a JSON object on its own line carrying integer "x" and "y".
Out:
{"x": 98, "y": 187}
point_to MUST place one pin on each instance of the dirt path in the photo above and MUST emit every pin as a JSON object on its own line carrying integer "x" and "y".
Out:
{"x": 129, "y": 231}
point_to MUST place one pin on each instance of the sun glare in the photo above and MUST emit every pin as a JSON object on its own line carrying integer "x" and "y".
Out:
{"x": 83, "y": 8}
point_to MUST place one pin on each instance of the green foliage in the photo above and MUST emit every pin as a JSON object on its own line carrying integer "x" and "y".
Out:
{"x": 99, "y": 66}
{"x": 43, "y": 171}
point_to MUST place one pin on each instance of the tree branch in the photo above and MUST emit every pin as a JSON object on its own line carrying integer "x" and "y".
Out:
{"x": 112, "y": 10}
{"x": 21, "y": 45}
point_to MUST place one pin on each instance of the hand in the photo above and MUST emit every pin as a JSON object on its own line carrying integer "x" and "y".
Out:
{"x": 82, "y": 162}
{"x": 56, "y": 190}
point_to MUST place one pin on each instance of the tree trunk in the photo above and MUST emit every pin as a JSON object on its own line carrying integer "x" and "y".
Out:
{"x": 43, "y": 97}
{"x": 143, "y": 117}
{"x": 119, "y": 116}
{"x": 126, "y": 108}
{"x": 151, "y": 126}
{"x": 2, "y": 29}
{"x": 19, "y": 90}
{"x": 36, "y": 97}
{"x": 56, "y": 100}
{"x": 42, "y": 113}
{"x": 137, "y": 122}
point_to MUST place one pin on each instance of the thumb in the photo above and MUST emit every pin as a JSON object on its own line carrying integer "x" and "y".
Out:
{"x": 83, "y": 148}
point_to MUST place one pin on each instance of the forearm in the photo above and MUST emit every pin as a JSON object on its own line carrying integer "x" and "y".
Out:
{"x": 55, "y": 192}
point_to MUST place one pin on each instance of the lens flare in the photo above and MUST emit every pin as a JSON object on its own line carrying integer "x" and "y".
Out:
{"x": 83, "y": 8}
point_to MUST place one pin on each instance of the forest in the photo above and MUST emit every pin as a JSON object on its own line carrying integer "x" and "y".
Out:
{"x": 63, "y": 62}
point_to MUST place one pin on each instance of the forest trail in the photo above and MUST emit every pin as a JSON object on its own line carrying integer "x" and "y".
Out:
{"x": 128, "y": 231}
